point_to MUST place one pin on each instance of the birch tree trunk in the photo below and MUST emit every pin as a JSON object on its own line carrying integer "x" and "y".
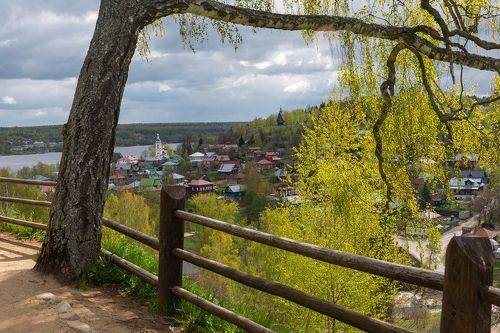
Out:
{"x": 74, "y": 236}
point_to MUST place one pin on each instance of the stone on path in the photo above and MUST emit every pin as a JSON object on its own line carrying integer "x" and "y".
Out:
{"x": 68, "y": 316}
{"x": 50, "y": 297}
{"x": 79, "y": 326}
{"x": 63, "y": 307}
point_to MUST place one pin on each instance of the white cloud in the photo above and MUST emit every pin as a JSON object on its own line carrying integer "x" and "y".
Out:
{"x": 263, "y": 64}
{"x": 280, "y": 59}
{"x": 7, "y": 42}
{"x": 299, "y": 86}
{"x": 9, "y": 100}
{"x": 162, "y": 87}
{"x": 40, "y": 113}
{"x": 276, "y": 59}
{"x": 50, "y": 18}
{"x": 91, "y": 17}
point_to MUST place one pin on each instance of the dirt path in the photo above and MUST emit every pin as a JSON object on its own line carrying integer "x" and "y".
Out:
{"x": 104, "y": 310}
{"x": 446, "y": 237}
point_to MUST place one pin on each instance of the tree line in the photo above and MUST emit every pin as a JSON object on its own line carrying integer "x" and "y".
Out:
{"x": 126, "y": 134}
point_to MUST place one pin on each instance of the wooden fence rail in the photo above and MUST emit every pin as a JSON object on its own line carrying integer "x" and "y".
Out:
{"x": 467, "y": 283}
{"x": 413, "y": 275}
{"x": 27, "y": 181}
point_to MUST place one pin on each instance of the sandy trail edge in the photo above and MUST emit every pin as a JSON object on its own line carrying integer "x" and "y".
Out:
{"x": 105, "y": 310}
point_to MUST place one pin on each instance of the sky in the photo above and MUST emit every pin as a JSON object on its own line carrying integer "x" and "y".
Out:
{"x": 43, "y": 44}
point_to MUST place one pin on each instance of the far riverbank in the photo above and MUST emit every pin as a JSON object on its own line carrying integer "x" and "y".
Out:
{"x": 16, "y": 162}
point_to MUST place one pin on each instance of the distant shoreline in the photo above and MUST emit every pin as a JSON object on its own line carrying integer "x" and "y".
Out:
{"x": 17, "y": 162}
{"x": 18, "y": 141}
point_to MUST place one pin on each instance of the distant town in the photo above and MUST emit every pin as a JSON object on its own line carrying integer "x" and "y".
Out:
{"x": 223, "y": 168}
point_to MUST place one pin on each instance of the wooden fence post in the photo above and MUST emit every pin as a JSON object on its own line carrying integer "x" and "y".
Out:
{"x": 468, "y": 268}
{"x": 171, "y": 236}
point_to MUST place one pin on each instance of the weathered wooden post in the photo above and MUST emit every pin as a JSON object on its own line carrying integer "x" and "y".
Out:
{"x": 468, "y": 268}
{"x": 171, "y": 236}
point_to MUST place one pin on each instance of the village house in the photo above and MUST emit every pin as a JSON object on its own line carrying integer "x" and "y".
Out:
{"x": 254, "y": 153}
{"x": 197, "y": 158}
{"x": 128, "y": 159}
{"x": 210, "y": 160}
{"x": 134, "y": 185}
{"x": 227, "y": 169}
{"x": 234, "y": 192}
{"x": 468, "y": 185}
{"x": 123, "y": 167}
{"x": 209, "y": 155}
{"x": 274, "y": 158}
{"x": 117, "y": 179}
{"x": 200, "y": 186}
{"x": 153, "y": 172}
{"x": 172, "y": 161}
{"x": 152, "y": 160}
{"x": 264, "y": 164}
{"x": 221, "y": 159}
{"x": 270, "y": 154}
{"x": 179, "y": 179}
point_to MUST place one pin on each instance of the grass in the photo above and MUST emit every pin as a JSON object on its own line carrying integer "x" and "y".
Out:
{"x": 103, "y": 272}
{"x": 194, "y": 319}
{"x": 21, "y": 232}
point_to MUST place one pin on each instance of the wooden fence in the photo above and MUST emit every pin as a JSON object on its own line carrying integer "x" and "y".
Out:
{"x": 468, "y": 294}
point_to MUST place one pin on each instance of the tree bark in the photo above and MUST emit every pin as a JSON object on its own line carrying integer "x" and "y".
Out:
{"x": 73, "y": 239}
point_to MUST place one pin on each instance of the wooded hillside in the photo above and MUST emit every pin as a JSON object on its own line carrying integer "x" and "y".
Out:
{"x": 126, "y": 135}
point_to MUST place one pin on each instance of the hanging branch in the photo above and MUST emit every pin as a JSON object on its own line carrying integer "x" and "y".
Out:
{"x": 387, "y": 91}
{"x": 263, "y": 19}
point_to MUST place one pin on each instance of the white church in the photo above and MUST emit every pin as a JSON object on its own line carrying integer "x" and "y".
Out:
{"x": 160, "y": 151}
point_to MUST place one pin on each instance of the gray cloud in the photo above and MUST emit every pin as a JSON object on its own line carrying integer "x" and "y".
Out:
{"x": 43, "y": 44}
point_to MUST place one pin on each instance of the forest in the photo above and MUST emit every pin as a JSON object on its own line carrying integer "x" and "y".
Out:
{"x": 126, "y": 135}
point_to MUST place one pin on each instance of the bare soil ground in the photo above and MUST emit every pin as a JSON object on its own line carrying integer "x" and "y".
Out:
{"x": 104, "y": 310}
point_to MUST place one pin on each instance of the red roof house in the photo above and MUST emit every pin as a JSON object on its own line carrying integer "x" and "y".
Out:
{"x": 264, "y": 164}
{"x": 200, "y": 186}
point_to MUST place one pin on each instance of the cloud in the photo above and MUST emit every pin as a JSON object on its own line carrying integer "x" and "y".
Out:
{"x": 43, "y": 45}
{"x": 7, "y": 42}
{"x": 298, "y": 87}
{"x": 8, "y": 100}
{"x": 162, "y": 87}
{"x": 215, "y": 83}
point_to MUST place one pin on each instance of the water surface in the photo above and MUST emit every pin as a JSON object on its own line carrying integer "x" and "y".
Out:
{"x": 16, "y": 162}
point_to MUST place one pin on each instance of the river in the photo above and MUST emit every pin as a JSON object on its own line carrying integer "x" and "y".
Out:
{"x": 16, "y": 162}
